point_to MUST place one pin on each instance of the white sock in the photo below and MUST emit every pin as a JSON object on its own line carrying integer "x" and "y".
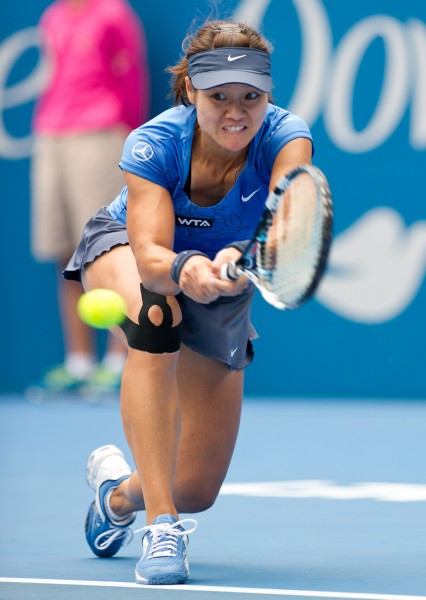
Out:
{"x": 111, "y": 514}
{"x": 114, "y": 361}
{"x": 80, "y": 364}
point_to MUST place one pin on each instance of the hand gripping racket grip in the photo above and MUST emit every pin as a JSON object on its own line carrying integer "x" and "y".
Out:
{"x": 229, "y": 272}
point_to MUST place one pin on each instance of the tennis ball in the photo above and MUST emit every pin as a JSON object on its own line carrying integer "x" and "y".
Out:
{"x": 101, "y": 308}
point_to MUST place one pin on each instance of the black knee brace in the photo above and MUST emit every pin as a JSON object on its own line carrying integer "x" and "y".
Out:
{"x": 148, "y": 337}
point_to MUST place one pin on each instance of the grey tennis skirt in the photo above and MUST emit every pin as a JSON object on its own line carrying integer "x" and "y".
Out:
{"x": 221, "y": 330}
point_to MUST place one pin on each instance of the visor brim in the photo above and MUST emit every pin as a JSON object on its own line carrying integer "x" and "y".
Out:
{"x": 210, "y": 79}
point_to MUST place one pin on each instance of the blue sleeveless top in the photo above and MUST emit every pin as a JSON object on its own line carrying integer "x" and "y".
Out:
{"x": 160, "y": 151}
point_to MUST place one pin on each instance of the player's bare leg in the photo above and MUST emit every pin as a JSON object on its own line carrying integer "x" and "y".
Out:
{"x": 209, "y": 408}
{"x": 210, "y": 398}
{"x": 149, "y": 402}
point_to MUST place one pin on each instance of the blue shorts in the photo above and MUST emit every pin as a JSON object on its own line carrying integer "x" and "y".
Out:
{"x": 220, "y": 330}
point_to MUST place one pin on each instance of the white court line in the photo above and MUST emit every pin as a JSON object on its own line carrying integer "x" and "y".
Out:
{"x": 380, "y": 491}
{"x": 212, "y": 588}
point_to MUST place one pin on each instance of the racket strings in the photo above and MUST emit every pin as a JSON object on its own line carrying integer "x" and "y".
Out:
{"x": 290, "y": 254}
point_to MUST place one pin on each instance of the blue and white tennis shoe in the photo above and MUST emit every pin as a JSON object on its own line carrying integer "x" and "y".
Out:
{"x": 106, "y": 469}
{"x": 164, "y": 559}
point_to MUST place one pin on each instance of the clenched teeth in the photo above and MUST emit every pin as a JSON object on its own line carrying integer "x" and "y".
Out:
{"x": 239, "y": 128}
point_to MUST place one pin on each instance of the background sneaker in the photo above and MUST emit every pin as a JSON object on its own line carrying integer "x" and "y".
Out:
{"x": 55, "y": 381}
{"x": 103, "y": 382}
{"x": 106, "y": 468}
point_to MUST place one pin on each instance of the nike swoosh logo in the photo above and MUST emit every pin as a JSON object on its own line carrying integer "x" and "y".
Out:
{"x": 231, "y": 58}
{"x": 247, "y": 198}
{"x": 234, "y": 351}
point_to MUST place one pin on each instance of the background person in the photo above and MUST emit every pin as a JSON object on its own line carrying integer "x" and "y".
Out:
{"x": 188, "y": 332}
{"x": 98, "y": 91}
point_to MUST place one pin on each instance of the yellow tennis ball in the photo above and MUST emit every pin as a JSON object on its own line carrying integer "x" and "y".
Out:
{"x": 101, "y": 308}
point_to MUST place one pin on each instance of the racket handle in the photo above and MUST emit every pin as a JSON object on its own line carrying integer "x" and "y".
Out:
{"x": 229, "y": 272}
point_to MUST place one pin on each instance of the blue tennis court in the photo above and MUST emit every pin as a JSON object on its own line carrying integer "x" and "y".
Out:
{"x": 324, "y": 499}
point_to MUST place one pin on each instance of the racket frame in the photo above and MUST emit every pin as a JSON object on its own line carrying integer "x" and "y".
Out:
{"x": 261, "y": 277}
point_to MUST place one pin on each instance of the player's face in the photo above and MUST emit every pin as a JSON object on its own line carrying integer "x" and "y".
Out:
{"x": 230, "y": 114}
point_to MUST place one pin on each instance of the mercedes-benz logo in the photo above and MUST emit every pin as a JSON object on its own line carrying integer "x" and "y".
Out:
{"x": 142, "y": 151}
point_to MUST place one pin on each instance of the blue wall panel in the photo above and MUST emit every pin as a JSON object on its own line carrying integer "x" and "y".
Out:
{"x": 357, "y": 73}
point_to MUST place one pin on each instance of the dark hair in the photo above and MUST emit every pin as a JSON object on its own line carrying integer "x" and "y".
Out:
{"x": 213, "y": 34}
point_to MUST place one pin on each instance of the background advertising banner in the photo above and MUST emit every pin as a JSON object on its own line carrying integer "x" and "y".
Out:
{"x": 356, "y": 72}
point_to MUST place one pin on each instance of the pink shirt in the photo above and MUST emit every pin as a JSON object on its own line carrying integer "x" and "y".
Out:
{"x": 99, "y": 77}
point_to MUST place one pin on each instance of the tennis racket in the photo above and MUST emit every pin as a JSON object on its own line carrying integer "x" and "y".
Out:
{"x": 288, "y": 253}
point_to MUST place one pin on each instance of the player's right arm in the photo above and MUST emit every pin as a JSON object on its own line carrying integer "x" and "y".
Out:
{"x": 150, "y": 226}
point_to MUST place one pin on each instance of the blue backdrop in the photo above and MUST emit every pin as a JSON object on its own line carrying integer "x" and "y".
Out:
{"x": 357, "y": 73}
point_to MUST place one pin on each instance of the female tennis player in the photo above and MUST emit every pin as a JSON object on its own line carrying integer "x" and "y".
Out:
{"x": 197, "y": 177}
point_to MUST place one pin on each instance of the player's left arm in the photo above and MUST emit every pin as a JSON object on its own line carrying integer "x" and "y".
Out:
{"x": 295, "y": 153}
